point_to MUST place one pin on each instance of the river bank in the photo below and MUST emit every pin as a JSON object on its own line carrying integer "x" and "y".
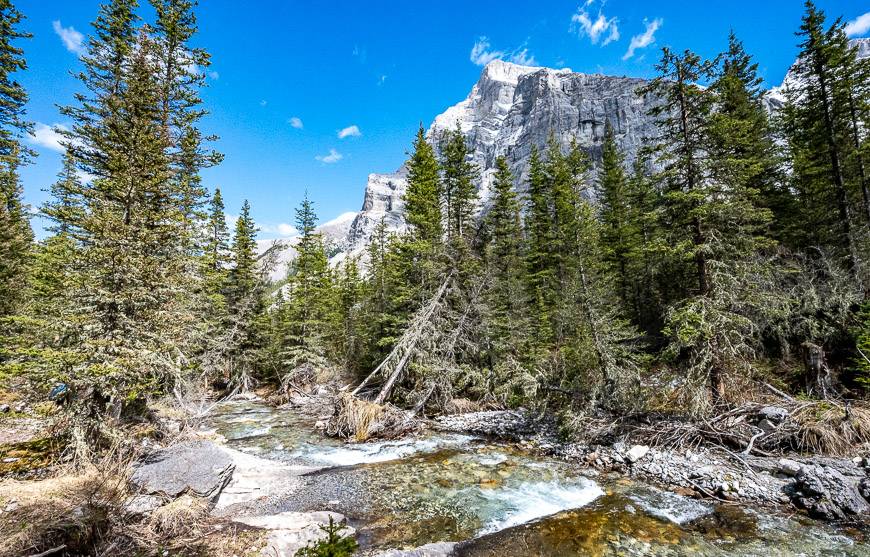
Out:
{"x": 481, "y": 483}
{"x": 470, "y": 479}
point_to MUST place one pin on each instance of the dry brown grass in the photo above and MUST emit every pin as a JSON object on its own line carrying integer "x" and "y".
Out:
{"x": 75, "y": 510}
{"x": 462, "y": 406}
{"x": 832, "y": 428}
{"x": 359, "y": 419}
{"x": 180, "y": 517}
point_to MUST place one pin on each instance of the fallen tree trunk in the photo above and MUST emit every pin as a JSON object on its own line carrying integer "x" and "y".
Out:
{"x": 406, "y": 345}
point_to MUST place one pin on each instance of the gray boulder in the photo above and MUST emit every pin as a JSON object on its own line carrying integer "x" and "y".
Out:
{"x": 827, "y": 493}
{"x": 773, "y": 414}
{"x": 198, "y": 468}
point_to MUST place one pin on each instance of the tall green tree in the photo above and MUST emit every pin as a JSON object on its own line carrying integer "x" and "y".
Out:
{"x": 311, "y": 297}
{"x": 423, "y": 246}
{"x": 459, "y": 189}
{"x": 713, "y": 163}
{"x": 504, "y": 257}
{"x": 16, "y": 236}
{"x": 816, "y": 123}
{"x": 619, "y": 231}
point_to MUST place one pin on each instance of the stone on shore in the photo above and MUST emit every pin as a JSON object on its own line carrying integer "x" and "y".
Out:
{"x": 200, "y": 468}
{"x": 827, "y": 493}
{"x": 441, "y": 549}
{"x": 291, "y": 531}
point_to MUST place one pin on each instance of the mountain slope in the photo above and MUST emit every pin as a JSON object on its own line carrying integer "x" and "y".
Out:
{"x": 510, "y": 109}
{"x": 513, "y": 107}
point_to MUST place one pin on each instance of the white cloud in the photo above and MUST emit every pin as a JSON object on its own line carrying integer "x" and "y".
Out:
{"x": 295, "y": 122}
{"x": 350, "y": 131}
{"x": 214, "y": 75}
{"x": 644, "y": 39}
{"x": 333, "y": 157}
{"x": 72, "y": 39}
{"x": 264, "y": 102}
{"x": 523, "y": 58}
{"x": 858, "y": 26}
{"x": 48, "y": 136}
{"x": 595, "y": 27}
{"x": 281, "y": 230}
{"x": 481, "y": 54}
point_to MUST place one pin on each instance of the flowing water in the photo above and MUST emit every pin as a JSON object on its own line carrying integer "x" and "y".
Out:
{"x": 448, "y": 487}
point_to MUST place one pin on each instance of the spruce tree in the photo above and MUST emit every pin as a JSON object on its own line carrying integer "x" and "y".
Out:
{"x": 816, "y": 125}
{"x": 713, "y": 165}
{"x": 215, "y": 249}
{"x": 16, "y": 236}
{"x": 244, "y": 339}
{"x": 311, "y": 295}
{"x": 539, "y": 234}
{"x": 458, "y": 185}
{"x": 423, "y": 195}
{"x": 504, "y": 263}
{"x": 423, "y": 247}
{"x": 385, "y": 295}
{"x": 619, "y": 233}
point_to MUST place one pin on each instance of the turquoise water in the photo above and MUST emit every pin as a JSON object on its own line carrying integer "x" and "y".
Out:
{"x": 448, "y": 487}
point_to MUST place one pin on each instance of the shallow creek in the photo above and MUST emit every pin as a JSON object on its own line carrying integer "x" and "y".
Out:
{"x": 449, "y": 487}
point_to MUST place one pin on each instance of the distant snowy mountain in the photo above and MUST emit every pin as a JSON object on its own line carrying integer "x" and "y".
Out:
{"x": 335, "y": 234}
{"x": 776, "y": 96}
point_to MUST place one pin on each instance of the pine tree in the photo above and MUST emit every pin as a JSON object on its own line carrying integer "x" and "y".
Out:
{"x": 243, "y": 273}
{"x": 816, "y": 125}
{"x": 458, "y": 179}
{"x": 422, "y": 246}
{"x": 244, "y": 339}
{"x": 311, "y": 295}
{"x": 215, "y": 249}
{"x": 504, "y": 263}
{"x": 423, "y": 195}
{"x": 347, "y": 320}
{"x": 713, "y": 165}
{"x": 648, "y": 256}
{"x": 539, "y": 233}
{"x": 619, "y": 232}
{"x": 16, "y": 236}
{"x": 386, "y": 300}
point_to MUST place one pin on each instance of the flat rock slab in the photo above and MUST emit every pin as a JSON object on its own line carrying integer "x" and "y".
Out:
{"x": 255, "y": 481}
{"x": 200, "y": 467}
{"x": 441, "y": 549}
{"x": 291, "y": 531}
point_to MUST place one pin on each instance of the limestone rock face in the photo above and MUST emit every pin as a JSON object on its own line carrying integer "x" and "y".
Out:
{"x": 510, "y": 109}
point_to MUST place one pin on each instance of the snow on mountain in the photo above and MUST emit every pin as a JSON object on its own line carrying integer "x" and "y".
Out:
{"x": 775, "y": 98}
{"x": 512, "y": 108}
{"x": 335, "y": 235}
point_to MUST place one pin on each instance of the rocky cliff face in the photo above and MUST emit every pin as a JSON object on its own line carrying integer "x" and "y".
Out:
{"x": 510, "y": 109}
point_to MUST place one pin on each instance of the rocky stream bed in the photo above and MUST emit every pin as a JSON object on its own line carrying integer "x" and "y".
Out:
{"x": 483, "y": 484}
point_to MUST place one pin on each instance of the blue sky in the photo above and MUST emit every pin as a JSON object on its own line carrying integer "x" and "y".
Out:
{"x": 288, "y": 77}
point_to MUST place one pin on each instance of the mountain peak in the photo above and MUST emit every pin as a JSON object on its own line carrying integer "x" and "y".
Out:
{"x": 509, "y": 72}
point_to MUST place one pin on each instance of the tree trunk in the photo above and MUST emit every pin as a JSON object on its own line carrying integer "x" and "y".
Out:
{"x": 836, "y": 170}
